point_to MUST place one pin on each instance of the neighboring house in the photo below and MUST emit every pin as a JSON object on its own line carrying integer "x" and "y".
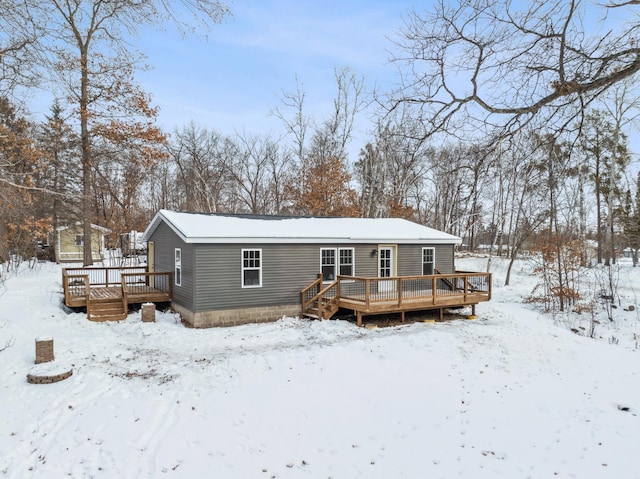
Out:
{"x": 70, "y": 242}
{"x": 230, "y": 269}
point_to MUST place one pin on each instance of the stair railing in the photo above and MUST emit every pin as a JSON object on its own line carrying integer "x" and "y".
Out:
{"x": 305, "y": 302}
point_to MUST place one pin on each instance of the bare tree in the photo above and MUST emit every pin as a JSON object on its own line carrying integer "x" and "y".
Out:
{"x": 517, "y": 197}
{"x": 325, "y": 154}
{"x": 259, "y": 173}
{"x": 94, "y": 64}
{"x": 18, "y": 52}
{"x": 298, "y": 125}
{"x": 499, "y": 64}
{"x": 201, "y": 157}
{"x": 370, "y": 172}
{"x": 391, "y": 171}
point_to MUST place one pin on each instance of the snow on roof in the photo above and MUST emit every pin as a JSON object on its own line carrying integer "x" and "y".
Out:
{"x": 212, "y": 228}
{"x": 80, "y": 223}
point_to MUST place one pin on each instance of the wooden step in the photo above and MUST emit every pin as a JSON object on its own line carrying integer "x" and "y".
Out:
{"x": 107, "y": 311}
{"x": 327, "y": 312}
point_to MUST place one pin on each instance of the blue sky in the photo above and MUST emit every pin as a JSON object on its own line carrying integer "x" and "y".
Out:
{"x": 232, "y": 81}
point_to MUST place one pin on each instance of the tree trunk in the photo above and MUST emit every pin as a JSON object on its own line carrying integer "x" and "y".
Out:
{"x": 85, "y": 143}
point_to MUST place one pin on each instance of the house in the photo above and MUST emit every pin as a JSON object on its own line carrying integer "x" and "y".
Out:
{"x": 70, "y": 242}
{"x": 232, "y": 269}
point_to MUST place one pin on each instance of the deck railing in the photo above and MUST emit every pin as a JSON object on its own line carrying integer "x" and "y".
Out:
{"x": 138, "y": 283}
{"x": 75, "y": 284}
{"x": 132, "y": 280}
{"x": 432, "y": 288}
{"x": 399, "y": 293}
{"x": 310, "y": 292}
{"x": 103, "y": 276}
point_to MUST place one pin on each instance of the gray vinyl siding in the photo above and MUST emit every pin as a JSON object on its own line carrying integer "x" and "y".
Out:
{"x": 410, "y": 258}
{"x": 366, "y": 264}
{"x": 286, "y": 269}
{"x": 166, "y": 241}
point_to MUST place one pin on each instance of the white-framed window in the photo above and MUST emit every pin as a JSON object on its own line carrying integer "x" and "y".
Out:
{"x": 346, "y": 261}
{"x": 337, "y": 261}
{"x": 328, "y": 264}
{"x": 177, "y": 272}
{"x": 79, "y": 241}
{"x": 428, "y": 261}
{"x": 251, "y": 268}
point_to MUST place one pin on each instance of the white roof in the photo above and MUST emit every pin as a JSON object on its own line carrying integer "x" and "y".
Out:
{"x": 211, "y": 228}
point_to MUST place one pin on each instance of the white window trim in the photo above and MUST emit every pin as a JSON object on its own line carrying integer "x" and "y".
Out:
{"x": 433, "y": 255}
{"x": 335, "y": 265}
{"x": 353, "y": 261}
{"x": 243, "y": 269}
{"x": 336, "y": 252}
{"x": 177, "y": 266}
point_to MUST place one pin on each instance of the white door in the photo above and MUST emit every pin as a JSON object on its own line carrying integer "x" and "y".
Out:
{"x": 386, "y": 268}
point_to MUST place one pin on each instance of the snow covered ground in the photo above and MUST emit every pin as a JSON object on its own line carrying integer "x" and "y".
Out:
{"x": 513, "y": 394}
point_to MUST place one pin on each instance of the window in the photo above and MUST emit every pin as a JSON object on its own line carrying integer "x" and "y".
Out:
{"x": 346, "y": 261}
{"x": 79, "y": 240}
{"x": 428, "y": 263}
{"x": 328, "y": 264}
{"x": 251, "y": 268}
{"x": 334, "y": 261}
{"x": 178, "y": 267}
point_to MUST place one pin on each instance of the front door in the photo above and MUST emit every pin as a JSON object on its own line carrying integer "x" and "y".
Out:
{"x": 386, "y": 268}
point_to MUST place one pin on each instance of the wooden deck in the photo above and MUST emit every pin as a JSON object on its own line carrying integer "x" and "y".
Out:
{"x": 106, "y": 293}
{"x": 369, "y": 296}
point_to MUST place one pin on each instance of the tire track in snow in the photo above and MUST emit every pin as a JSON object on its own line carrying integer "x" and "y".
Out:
{"x": 39, "y": 437}
{"x": 143, "y": 456}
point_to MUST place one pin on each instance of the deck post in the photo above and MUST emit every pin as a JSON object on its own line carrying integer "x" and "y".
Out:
{"x": 441, "y": 314}
{"x": 359, "y": 317}
{"x": 399, "y": 288}
{"x": 125, "y": 292}
{"x": 367, "y": 295}
{"x": 473, "y": 310}
{"x": 87, "y": 293}
{"x": 402, "y": 315}
{"x": 466, "y": 286}
{"x": 434, "y": 288}
{"x": 65, "y": 286}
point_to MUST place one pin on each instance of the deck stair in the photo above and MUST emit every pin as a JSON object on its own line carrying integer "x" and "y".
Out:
{"x": 329, "y": 308}
{"x": 109, "y": 309}
{"x": 320, "y": 301}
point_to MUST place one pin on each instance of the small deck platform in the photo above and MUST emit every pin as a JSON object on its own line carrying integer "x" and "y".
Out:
{"x": 106, "y": 293}
{"x": 370, "y": 296}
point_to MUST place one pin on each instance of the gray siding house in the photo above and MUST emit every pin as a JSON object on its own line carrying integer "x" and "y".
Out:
{"x": 233, "y": 269}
